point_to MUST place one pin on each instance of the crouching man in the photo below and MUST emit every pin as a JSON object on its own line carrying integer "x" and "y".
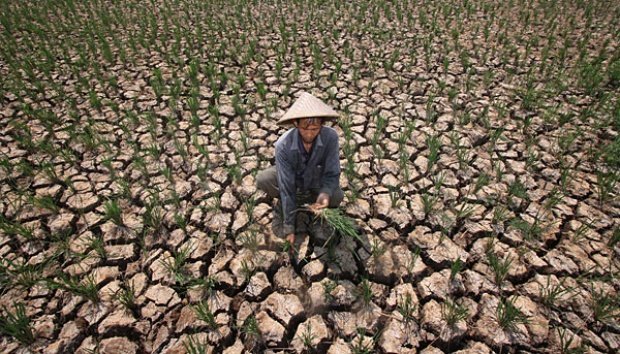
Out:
{"x": 307, "y": 169}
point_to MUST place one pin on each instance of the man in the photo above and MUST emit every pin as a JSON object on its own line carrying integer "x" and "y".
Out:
{"x": 307, "y": 169}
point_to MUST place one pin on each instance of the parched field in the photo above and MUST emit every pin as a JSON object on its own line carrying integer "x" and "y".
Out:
{"x": 480, "y": 160}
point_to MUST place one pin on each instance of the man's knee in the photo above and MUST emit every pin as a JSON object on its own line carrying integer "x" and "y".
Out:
{"x": 261, "y": 180}
{"x": 337, "y": 198}
{"x": 267, "y": 181}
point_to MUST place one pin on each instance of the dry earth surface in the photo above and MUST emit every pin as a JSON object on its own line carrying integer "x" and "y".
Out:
{"x": 480, "y": 157}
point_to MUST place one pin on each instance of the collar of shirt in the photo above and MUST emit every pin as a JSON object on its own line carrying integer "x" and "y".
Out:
{"x": 298, "y": 144}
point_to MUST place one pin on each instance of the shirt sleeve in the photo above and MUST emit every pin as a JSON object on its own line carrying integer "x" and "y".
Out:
{"x": 331, "y": 174}
{"x": 286, "y": 184}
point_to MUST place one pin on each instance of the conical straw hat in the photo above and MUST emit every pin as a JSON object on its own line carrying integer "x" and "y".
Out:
{"x": 307, "y": 106}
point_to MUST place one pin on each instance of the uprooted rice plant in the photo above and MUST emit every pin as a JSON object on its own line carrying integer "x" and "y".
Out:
{"x": 480, "y": 162}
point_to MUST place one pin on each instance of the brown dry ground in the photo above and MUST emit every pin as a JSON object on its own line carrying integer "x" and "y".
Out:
{"x": 480, "y": 161}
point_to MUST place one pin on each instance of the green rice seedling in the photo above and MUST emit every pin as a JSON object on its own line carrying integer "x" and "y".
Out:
{"x": 250, "y": 330}
{"x": 86, "y": 288}
{"x": 395, "y": 195}
{"x": 517, "y": 189}
{"x": 153, "y": 150}
{"x": 126, "y": 296}
{"x": 508, "y": 315}
{"x": 456, "y": 267}
{"x": 157, "y": 83}
{"x": 605, "y": 306}
{"x": 431, "y": 112}
{"x": 360, "y": 346}
{"x": 201, "y": 148}
{"x": 206, "y": 284}
{"x": 180, "y": 221}
{"x": 529, "y": 231}
{"x": 566, "y": 175}
{"x": 554, "y": 198}
{"x": 364, "y": 291}
{"x": 414, "y": 256}
{"x": 346, "y": 124}
{"x": 234, "y": 171}
{"x": 349, "y": 153}
{"x": 582, "y": 230}
{"x": 500, "y": 213}
{"x": 249, "y": 239}
{"x": 329, "y": 286}
{"x": 464, "y": 211}
{"x": 551, "y": 293}
{"x": 94, "y": 100}
{"x": 453, "y": 312}
{"x": 153, "y": 217}
{"x": 166, "y": 171}
{"x": 13, "y": 228}
{"x": 532, "y": 160}
{"x": 500, "y": 267}
{"x": 97, "y": 244}
{"x": 216, "y": 202}
{"x": 406, "y": 308}
{"x": 249, "y": 205}
{"x": 244, "y": 138}
{"x": 461, "y": 151}
{"x": 376, "y": 146}
{"x": 261, "y": 89}
{"x": 377, "y": 248}
{"x": 17, "y": 324}
{"x": 193, "y": 345}
{"x": 429, "y": 202}
{"x": 49, "y": 170}
{"x": 380, "y": 124}
{"x": 433, "y": 144}
{"x": 353, "y": 193}
{"x": 591, "y": 77}
{"x": 605, "y": 185}
{"x": 483, "y": 118}
{"x": 22, "y": 275}
{"x": 181, "y": 149}
{"x": 175, "y": 199}
{"x": 6, "y": 165}
{"x": 566, "y": 342}
{"x": 113, "y": 212}
{"x": 125, "y": 188}
{"x": 45, "y": 202}
{"x": 204, "y": 313}
{"x": 61, "y": 243}
{"x": 176, "y": 265}
{"x": 247, "y": 270}
{"x": 307, "y": 337}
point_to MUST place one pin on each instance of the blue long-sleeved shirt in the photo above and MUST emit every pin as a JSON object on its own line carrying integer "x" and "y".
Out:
{"x": 321, "y": 172}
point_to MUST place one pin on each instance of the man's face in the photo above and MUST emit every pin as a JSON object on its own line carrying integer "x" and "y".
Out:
{"x": 309, "y": 128}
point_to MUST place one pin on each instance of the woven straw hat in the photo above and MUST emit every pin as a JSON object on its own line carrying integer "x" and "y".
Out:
{"x": 307, "y": 106}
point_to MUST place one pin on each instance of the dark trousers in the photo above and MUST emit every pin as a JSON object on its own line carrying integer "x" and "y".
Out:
{"x": 267, "y": 181}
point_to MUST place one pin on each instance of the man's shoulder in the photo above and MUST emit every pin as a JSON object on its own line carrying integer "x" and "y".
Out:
{"x": 329, "y": 133}
{"x": 329, "y": 130}
{"x": 285, "y": 139}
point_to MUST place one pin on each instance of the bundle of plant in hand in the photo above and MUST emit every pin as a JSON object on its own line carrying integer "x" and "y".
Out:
{"x": 341, "y": 223}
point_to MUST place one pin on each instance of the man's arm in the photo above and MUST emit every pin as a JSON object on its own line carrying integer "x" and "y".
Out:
{"x": 286, "y": 184}
{"x": 331, "y": 171}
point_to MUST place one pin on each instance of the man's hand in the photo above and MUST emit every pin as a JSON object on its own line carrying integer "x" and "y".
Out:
{"x": 290, "y": 238}
{"x": 322, "y": 201}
